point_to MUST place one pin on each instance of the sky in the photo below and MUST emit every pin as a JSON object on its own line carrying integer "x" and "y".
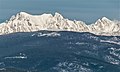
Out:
{"x": 85, "y": 10}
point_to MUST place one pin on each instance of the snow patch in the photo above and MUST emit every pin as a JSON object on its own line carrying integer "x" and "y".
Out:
{"x": 52, "y": 34}
{"x": 20, "y": 56}
{"x": 108, "y": 41}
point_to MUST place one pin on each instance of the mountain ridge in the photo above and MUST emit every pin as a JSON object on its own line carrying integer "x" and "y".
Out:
{"x": 25, "y": 22}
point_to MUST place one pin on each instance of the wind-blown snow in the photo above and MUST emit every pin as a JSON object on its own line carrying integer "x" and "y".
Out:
{"x": 24, "y": 22}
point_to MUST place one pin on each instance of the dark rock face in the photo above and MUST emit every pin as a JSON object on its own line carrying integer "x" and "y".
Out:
{"x": 48, "y": 51}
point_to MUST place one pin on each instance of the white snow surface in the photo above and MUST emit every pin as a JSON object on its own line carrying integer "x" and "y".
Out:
{"x": 24, "y": 22}
{"x": 52, "y": 34}
{"x": 20, "y": 56}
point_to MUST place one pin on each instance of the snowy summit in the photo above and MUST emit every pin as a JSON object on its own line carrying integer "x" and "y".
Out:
{"x": 24, "y": 22}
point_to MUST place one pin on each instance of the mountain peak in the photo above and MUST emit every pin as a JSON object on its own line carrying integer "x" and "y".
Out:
{"x": 105, "y": 19}
{"x": 24, "y": 13}
{"x": 58, "y": 15}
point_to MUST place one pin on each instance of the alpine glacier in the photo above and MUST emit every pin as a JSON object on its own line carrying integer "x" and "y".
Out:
{"x": 24, "y": 22}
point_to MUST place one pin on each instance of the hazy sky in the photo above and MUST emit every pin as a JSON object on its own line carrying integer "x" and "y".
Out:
{"x": 86, "y": 10}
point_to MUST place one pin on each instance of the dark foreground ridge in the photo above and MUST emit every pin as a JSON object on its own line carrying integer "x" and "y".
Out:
{"x": 50, "y": 51}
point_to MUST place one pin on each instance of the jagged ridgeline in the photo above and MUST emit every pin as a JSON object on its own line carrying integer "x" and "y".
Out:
{"x": 24, "y": 22}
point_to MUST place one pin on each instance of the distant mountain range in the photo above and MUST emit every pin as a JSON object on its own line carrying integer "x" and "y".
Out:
{"x": 24, "y": 22}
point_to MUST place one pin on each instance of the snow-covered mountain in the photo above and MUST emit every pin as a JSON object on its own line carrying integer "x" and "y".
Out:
{"x": 24, "y": 22}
